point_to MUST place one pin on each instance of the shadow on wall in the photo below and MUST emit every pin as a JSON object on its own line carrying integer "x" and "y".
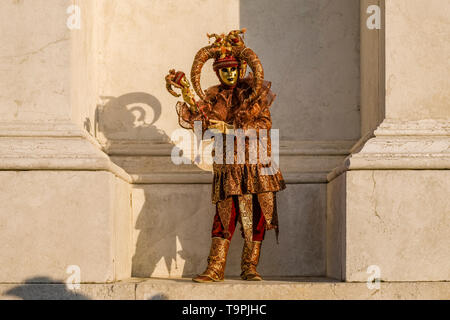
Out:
{"x": 129, "y": 117}
{"x": 174, "y": 230}
{"x": 161, "y": 234}
{"x": 44, "y": 288}
{"x": 310, "y": 53}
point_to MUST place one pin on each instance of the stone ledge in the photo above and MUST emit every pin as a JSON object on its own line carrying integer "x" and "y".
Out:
{"x": 400, "y": 145}
{"x": 206, "y": 177}
{"x": 270, "y": 289}
{"x": 52, "y": 146}
{"x": 287, "y": 147}
{"x": 149, "y": 162}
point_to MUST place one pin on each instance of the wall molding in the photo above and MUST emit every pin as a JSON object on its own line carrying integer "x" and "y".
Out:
{"x": 149, "y": 162}
{"x": 401, "y": 145}
{"x": 57, "y": 145}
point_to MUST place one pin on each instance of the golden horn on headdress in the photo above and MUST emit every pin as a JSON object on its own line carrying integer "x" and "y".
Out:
{"x": 240, "y": 52}
{"x": 248, "y": 55}
{"x": 203, "y": 55}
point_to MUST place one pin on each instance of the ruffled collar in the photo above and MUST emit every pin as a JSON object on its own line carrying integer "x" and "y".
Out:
{"x": 224, "y": 87}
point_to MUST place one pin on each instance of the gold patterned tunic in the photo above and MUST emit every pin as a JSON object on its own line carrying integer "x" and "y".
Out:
{"x": 245, "y": 178}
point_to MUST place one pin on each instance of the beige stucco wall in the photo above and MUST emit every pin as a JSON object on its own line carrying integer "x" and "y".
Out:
{"x": 140, "y": 41}
{"x": 84, "y": 65}
{"x": 417, "y": 55}
{"x": 50, "y": 220}
{"x": 64, "y": 202}
{"x": 34, "y": 60}
{"x": 387, "y": 203}
{"x": 310, "y": 52}
{"x": 309, "y": 49}
{"x": 397, "y": 220}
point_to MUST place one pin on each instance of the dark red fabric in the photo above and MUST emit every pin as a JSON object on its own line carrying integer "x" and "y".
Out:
{"x": 258, "y": 221}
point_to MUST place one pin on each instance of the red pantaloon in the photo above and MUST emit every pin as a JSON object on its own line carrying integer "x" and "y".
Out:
{"x": 258, "y": 224}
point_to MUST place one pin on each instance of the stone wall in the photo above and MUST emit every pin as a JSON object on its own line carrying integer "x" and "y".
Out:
{"x": 387, "y": 203}
{"x": 64, "y": 203}
{"x": 310, "y": 52}
{"x": 86, "y": 124}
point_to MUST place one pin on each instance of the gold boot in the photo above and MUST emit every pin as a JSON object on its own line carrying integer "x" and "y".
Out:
{"x": 216, "y": 261}
{"x": 250, "y": 259}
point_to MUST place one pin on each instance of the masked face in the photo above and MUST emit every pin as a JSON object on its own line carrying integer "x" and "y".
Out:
{"x": 229, "y": 75}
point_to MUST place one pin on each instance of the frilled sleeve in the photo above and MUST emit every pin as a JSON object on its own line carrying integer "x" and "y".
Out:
{"x": 257, "y": 114}
{"x": 262, "y": 121}
{"x": 186, "y": 117}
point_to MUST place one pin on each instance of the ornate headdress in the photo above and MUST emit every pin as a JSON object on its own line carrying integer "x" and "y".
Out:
{"x": 228, "y": 61}
{"x": 227, "y": 50}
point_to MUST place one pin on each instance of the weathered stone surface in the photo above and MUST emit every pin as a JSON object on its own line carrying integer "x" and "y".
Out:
{"x": 50, "y": 220}
{"x": 35, "y": 61}
{"x": 123, "y": 228}
{"x": 59, "y": 291}
{"x": 295, "y": 289}
{"x": 397, "y": 220}
{"x": 417, "y": 82}
{"x": 51, "y": 216}
{"x": 273, "y": 289}
{"x": 317, "y": 38}
{"x": 401, "y": 144}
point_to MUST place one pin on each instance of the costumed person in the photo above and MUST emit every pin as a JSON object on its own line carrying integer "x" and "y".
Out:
{"x": 242, "y": 190}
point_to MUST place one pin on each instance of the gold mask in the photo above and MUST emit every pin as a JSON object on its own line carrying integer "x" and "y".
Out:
{"x": 229, "y": 75}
